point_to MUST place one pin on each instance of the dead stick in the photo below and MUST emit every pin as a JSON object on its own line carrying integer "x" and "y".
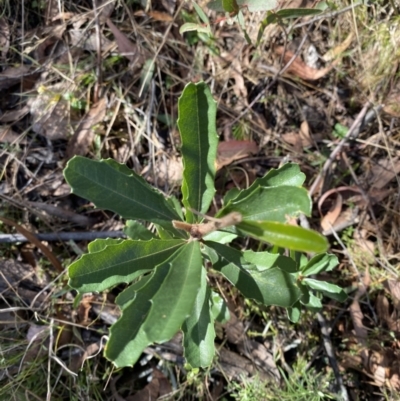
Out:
{"x": 339, "y": 148}
{"x": 198, "y": 231}
{"x": 63, "y": 236}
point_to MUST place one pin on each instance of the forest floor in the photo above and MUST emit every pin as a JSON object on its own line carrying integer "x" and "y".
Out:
{"x": 321, "y": 91}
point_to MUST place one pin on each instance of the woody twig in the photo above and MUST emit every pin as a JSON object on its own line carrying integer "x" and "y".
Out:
{"x": 198, "y": 231}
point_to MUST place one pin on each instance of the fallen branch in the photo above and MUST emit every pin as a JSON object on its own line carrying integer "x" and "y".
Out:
{"x": 64, "y": 236}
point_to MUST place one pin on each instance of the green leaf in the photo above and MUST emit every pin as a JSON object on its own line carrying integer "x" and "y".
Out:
{"x": 119, "y": 263}
{"x": 146, "y": 75}
{"x": 287, "y": 175}
{"x": 230, "y": 6}
{"x": 115, "y": 187}
{"x": 99, "y": 244}
{"x": 176, "y": 205}
{"x": 219, "y": 309}
{"x": 266, "y": 260}
{"x": 258, "y": 5}
{"x": 251, "y": 5}
{"x": 196, "y": 123}
{"x": 294, "y": 312}
{"x": 330, "y": 290}
{"x": 201, "y": 13}
{"x": 320, "y": 263}
{"x": 129, "y": 294}
{"x": 231, "y": 195}
{"x": 223, "y": 237}
{"x": 285, "y": 235}
{"x": 297, "y": 12}
{"x": 270, "y": 287}
{"x": 269, "y": 19}
{"x": 159, "y": 308}
{"x": 191, "y": 26}
{"x": 270, "y": 203}
{"x": 135, "y": 230}
{"x": 314, "y": 303}
{"x": 198, "y": 329}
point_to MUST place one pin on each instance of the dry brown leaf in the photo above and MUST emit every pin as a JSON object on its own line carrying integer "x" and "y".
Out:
{"x": 168, "y": 170}
{"x": 392, "y": 102}
{"x": 127, "y": 48}
{"x": 339, "y": 49}
{"x": 160, "y": 16}
{"x": 4, "y": 38}
{"x": 105, "y": 9}
{"x": 328, "y": 221}
{"x": 394, "y": 289}
{"x": 305, "y": 134}
{"x": 84, "y": 134}
{"x": 77, "y": 360}
{"x": 14, "y": 75}
{"x": 158, "y": 387}
{"x": 9, "y": 136}
{"x": 300, "y": 69}
{"x": 383, "y": 309}
{"x": 229, "y": 151}
{"x": 11, "y": 116}
{"x": 299, "y": 140}
{"x": 239, "y": 88}
{"x": 50, "y": 112}
{"x": 366, "y": 246}
{"x": 383, "y": 172}
{"x": 80, "y": 38}
{"x": 84, "y": 308}
{"x": 294, "y": 139}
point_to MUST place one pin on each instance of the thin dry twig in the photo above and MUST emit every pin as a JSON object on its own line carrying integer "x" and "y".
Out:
{"x": 63, "y": 236}
{"x": 350, "y": 134}
{"x": 331, "y": 355}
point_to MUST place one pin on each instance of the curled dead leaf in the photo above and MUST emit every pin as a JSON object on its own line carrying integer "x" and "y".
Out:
{"x": 125, "y": 46}
{"x": 328, "y": 221}
{"x": 84, "y": 134}
{"x": 7, "y": 135}
{"x": 301, "y": 69}
{"x": 229, "y": 151}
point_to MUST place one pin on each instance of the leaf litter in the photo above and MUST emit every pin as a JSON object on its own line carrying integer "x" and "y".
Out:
{"x": 55, "y": 103}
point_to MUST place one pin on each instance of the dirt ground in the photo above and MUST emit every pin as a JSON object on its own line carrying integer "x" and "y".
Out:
{"x": 321, "y": 91}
